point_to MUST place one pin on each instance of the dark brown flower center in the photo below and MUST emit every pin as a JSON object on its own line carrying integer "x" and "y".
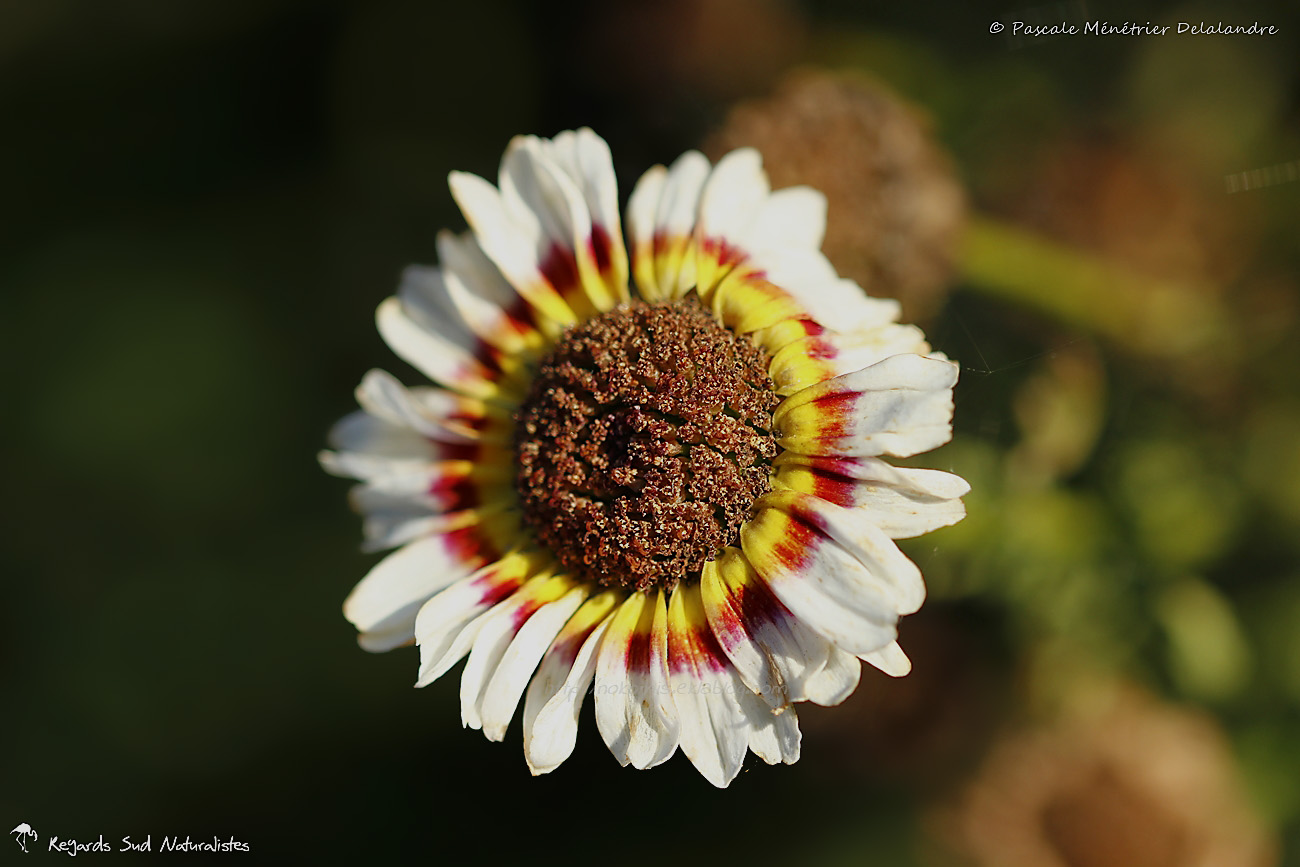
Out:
{"x": 643, "y": 443}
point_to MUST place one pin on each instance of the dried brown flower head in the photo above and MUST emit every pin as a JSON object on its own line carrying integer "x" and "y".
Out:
{"x": 1139, "y": 783}
{"x": 895, "y": 205}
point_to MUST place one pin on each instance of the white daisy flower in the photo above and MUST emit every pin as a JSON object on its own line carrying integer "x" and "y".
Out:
{"x": 667, "y": 492}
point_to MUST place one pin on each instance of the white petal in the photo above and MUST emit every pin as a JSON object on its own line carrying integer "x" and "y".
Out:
{"x": 393, "y": 518}
{"x": 494, "y": 635}
{"x": 405, "y": 480}
{"x": 501, "y": 696}
{"x": 840, "y": 575}
{"x": 859, "y": 628}
{"x": 556, "y": 693}
{"x": 792, "y": 217}
{"x": 734, "y": 193}
{"x": 674, "y": 229}
{"x": 467, "y": 267}
{"x": 393, "y": 591}
{"x": 384, "y": 640}
{"x": 661, "y": 224}
{"x": 900, "y": 406}
{"x": 891, "y": 660}
{"x": 530, "y": 183}
{"x": 680, "y": 201}
{"x": 426, "y": 300}
{"x": 773, "y": 653}
{"x": 634, "y": 710}
{"x": 468, "y": 293}
{"x": 437, "y": 350}
{"x": 585, "y": 157}
{"x": 362, "y": 465}
{"x": 856, "y": 533}
{"x": 431, "y": 412}
{"x": 836, "y": 680}
{"x": 903, "y": 503}
{"x": 642, "y": 208}
{"x": 508, "y": 237}
{"x": 773, "y": 735}
{"x": 714, "y": 731}
{"x": 820, "y": 357}
{"x": 368, "y": 444}
{"x": 514, "y": 241}
{"x": 446, "y": 625}
{"x": 810, "y": 277}
{"x": 835, "y": 302}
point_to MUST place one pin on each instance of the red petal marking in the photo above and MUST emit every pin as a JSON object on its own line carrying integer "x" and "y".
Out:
{"x": 472, "y": 550}
{"x": 710, "y": 650}
{"x": 495, "y": 587}
{"x": 487, "y": 355}
{"x": 755, "y": 604}
{"x": 640, "y": 651}
{"x": 725, "y": 253}
{"x": 658, "y": 244}
{"x": 560, "y": 268}
{"x": 525, "y": 611}
{"x": 732, "y": 623}
{"x": 697, "y": 649}
{"x": 835, "y": 412}
{"x": 793, "y": 546}
{"x": 566, "y": 647}
{"x": 827, "y": 464}
{"x": 472, "y": 421}
{"x": 521, "y": 316}
{"x": 600, "y": 247}
{"x": 456, "y": 451}
{"x": 819, "y": 349}
{"x": 454, "y": 493}
{"x": 800, "y": 511}
{"x": 832, "y": 487}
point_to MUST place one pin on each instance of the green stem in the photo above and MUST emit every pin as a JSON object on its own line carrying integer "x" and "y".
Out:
{"x": 1150, "y": 315}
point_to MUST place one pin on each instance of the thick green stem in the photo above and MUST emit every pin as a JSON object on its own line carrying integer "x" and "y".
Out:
{"x": 1150, "y": 315}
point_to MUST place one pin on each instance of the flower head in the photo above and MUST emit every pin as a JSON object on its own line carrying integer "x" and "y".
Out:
{"x": 668, "y": 491}
{"x": 1122, "y": 779}
{"x": 896, "y": 207}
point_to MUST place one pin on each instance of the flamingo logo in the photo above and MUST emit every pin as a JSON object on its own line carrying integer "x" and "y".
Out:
{"x": 22, "y": 832}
